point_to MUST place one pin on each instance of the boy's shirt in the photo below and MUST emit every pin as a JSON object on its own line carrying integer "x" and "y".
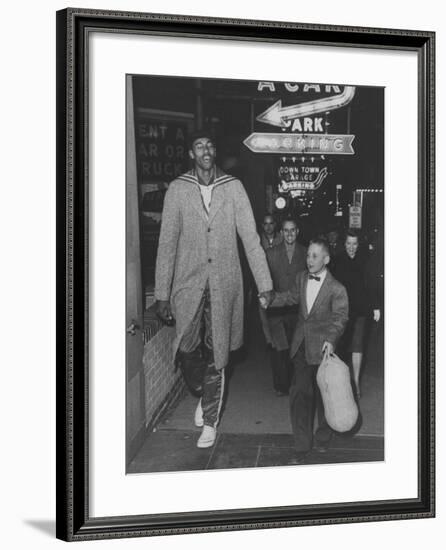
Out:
{"x": 313, "y": 287}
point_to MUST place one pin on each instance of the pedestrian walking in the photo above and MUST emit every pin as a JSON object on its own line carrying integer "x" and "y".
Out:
{"x": 198, "y": 281}
{"x": 350, "y": 269}
{"x": 285, "y": 260}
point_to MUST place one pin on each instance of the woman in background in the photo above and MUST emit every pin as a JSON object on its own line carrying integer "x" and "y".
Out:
{"x": 350, "y": 270}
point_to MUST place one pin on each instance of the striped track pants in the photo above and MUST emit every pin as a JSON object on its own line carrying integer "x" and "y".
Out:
{"x": 197, "y": 333}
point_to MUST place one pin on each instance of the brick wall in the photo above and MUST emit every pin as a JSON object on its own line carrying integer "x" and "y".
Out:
{"x": 162, "y": 384}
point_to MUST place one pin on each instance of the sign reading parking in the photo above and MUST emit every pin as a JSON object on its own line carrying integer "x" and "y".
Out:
{"x": 288, "y": 144}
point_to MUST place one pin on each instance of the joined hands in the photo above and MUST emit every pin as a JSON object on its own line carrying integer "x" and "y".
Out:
{"x": 265, "y": 298}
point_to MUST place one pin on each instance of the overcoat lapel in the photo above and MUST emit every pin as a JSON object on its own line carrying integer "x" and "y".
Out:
{"x": 217, "y": 200}
{"x": 284, "y": 255}
{"x": 195, "y": 197}
{"x": 218, "y": 194}
{"x": 197, "y": 202}
{"x": 295, "y": 255}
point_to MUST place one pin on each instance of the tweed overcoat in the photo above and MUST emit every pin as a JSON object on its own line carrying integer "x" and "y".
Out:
{"x": 326, "y": 321}
{"x": 196, "y": 248}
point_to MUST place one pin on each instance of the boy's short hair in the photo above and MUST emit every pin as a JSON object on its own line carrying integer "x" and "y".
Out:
{"x": 322, "y": 243}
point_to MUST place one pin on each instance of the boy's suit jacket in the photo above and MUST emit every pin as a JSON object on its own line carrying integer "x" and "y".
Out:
{"x": 324, "y": 323}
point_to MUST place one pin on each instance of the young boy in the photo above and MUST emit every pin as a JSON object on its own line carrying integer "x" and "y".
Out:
{"x": 322, "y": 317}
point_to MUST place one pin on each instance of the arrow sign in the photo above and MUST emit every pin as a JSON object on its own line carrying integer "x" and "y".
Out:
{"x": 291, "y": 144}
{"x": 276, "y": 115}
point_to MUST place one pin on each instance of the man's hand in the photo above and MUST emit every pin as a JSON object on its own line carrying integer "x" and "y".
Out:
{"x": 327, "y": 349}
{"x": 265, "y": 298}
{"x": 376, "y": 315}
{"x": 164, "y": 312}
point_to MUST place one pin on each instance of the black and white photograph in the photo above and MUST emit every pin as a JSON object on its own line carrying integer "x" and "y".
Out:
{"x": 255, "y": 235}
{"x": 245, "y": 275}
{"x": 221, "y": 287}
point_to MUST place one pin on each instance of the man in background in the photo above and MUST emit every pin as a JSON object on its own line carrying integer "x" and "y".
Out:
{"x": 270, "y": 236}
{"x": 285, "y": 260}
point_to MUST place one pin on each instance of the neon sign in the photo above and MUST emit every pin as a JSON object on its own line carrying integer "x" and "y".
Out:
{"x": 304, "y": 181}
{"x": 276, "y": 115}
{"x": 316, "y": 144}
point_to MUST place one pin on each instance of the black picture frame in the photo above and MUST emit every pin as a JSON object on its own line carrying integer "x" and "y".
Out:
{"x": 73, "y": 521}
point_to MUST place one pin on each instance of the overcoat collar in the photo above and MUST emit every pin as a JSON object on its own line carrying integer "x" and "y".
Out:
{"x": 217, "y": 196}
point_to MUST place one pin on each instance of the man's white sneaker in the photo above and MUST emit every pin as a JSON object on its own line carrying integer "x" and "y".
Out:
{"x": 207, "y": 437}
{"x": 198, "y": 417}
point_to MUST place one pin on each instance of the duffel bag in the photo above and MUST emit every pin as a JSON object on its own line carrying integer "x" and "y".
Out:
{"x": 333, "y": 379}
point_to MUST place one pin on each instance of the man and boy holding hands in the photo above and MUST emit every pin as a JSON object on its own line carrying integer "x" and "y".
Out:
{"x": 199, "y": 287}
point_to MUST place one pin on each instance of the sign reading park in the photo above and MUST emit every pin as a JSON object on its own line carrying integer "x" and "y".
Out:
{"x": 306, "y": 125}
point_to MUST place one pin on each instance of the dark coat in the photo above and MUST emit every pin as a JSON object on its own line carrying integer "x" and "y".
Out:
{"x": 351, "y": 273}
{"x": 326, "y": 321}
{"x": 374, "y": 279}
{"x": 283, "y": 273}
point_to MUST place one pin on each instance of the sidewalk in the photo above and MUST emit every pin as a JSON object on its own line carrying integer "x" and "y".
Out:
{"x": 255, "y": 428}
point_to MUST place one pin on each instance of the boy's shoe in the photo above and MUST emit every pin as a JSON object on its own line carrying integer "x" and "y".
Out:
{"x": 298, "y": 458}
{"x": 322, "y": 447}
{"x": 198, "y": 417}
{"x": 207, "y": 437}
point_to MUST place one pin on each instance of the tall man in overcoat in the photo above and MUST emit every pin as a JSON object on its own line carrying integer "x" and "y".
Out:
{"x": 198, "y": 280}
